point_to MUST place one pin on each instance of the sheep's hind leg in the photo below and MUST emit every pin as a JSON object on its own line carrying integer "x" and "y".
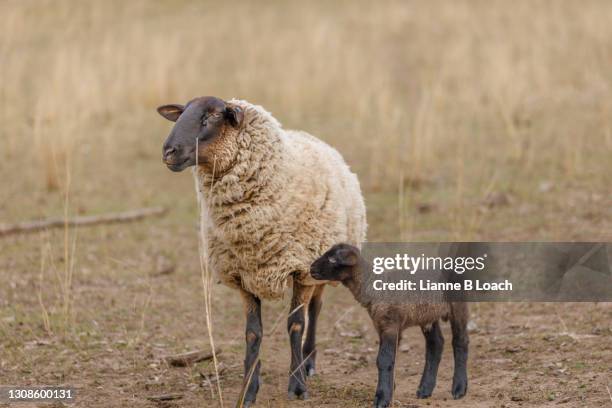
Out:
{"x": 459, "y": 320}
{"x": 434, "y": 344}
{"x": 254, "y": 334}
{"x": 295, "y": 327}
{"x": 310, "y": 347}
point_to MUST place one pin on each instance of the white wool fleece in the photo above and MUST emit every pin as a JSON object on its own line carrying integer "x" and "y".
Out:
{"x": 280, "y": 199}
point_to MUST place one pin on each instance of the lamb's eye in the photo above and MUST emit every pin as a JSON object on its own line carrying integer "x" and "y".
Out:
{"x": 204, "y": 120}
{"x": 332, "y": 260}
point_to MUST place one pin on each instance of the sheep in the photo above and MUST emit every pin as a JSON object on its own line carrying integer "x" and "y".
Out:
{"x": 272, "y": 201}
{"x": 344, "y": 263}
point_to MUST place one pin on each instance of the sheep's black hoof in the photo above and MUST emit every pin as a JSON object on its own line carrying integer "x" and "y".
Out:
{"x": 459, "y": 388}
{"x": 303, "y": 395}
{"x": 381, "y": 401}
{"x": 423, "y": 393}
{"x": 297, "y": 387}
{"x": 251, "y": 395}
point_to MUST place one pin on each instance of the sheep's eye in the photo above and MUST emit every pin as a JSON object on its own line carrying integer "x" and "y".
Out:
{"x": 332, "y": 260}
{"x": 204, "y": 120}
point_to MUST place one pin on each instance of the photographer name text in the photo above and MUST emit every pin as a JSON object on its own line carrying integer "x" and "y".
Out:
{"x": 428, "y": 285}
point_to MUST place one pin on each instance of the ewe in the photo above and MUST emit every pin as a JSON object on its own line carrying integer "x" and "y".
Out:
{"x": 343, "y": 263}
{"x": 272, "y": 201}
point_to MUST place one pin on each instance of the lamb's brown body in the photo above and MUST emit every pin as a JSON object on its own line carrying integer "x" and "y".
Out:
{"x": 344, "y": 263}
{"x": 402, "y": 315}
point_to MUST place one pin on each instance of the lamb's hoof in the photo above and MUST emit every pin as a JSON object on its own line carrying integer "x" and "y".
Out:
{"x": 247, "y": 404}
{"x": 423, "y": 393}
{"x": 459, "y": 388}
{"x": 291, "y": 395}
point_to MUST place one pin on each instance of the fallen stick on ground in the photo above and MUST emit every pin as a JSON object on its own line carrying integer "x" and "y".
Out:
{"x": 165, "y": 397}
{"x": 185, "y": 359}
{"x": 59, "y": 222}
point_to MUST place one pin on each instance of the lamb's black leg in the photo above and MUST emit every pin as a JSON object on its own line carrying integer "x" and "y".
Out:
{"x": 295, "y": 327}
{"x": 310, "y": 349}
{"x": 386, "y": 364}
{"x": 434, "y": 344}
{"x": 254, "y": 334}
{"x": 459, "y": 320}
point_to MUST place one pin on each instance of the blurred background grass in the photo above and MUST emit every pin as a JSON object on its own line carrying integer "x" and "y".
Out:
{"x": 444, "y": 109}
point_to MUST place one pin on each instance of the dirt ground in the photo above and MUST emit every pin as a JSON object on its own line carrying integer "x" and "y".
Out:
{"x": 138, "y": 301}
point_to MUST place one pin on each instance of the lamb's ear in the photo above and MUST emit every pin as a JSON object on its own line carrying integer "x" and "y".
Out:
{"x": 171, "y": 112}
{"x": 346, "y": 257}
{"x": 234, "y": 115}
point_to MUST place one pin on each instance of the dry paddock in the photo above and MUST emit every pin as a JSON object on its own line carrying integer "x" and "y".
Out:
{"x": 464, "y": 120}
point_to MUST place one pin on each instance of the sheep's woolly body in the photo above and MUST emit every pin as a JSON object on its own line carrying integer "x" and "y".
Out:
{"x": 286, "y": 198}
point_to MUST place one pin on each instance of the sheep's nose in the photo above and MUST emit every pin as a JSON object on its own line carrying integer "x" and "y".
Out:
{"x": 169, "y": 151}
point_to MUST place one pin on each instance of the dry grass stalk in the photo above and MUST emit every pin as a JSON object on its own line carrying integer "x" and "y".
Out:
{"x": 245, "y": 385}
{"x": 41, "y": 281}
{"x": 69, "y": 255}
{"x": 207, "y": 277}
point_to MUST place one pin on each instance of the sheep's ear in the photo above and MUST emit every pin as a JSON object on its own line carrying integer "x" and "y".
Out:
{"x": 346, "y": 257}
{"x": 234, "y": 115}
{"x": 171, "y": 112}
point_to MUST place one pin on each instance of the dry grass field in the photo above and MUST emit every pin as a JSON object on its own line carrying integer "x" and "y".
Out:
{"x": 471, "y": 120}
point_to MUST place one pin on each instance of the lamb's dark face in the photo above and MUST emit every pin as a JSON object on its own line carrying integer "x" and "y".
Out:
{"x": 337, "y": 264}
{"x": 199, "y": 124}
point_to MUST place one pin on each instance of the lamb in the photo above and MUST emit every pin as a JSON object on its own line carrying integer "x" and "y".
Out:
{"x": 345, "y": 264}
{"x": 272, "y": 201}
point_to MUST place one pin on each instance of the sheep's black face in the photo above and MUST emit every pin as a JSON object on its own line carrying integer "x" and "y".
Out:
{"x": 198, "y": 125}
{"x": 337, "y": 264}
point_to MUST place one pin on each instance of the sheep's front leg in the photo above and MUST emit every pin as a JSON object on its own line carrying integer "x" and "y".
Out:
{"x": 254, "y": 334}
{"x": 434, "y": 344}
{"x": 310, "y": 348}
{"x": 295, "y": 327}
{"x": 387, "y": 349}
